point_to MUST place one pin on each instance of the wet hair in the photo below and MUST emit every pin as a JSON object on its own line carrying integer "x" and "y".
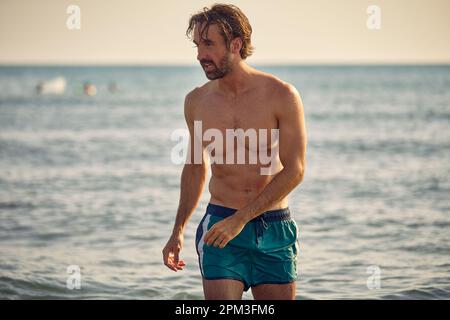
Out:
{"x": 231, "y": 22}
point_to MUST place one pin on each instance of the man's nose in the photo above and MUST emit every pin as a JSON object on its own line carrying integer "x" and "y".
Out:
{"x": 200, "y": 54}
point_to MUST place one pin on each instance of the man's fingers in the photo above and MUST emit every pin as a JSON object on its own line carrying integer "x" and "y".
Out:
{"x": 215, "y": 237}
{"x": 179, "y": 264}
{"x": 169, "y": 261}
{"x": 210, "y": 236}
{"x": 170, "y": 266}
{"x": 174, "y": 266}
{"x": 223, "y": 244}
{"x": 180, "y": 267}
{"x": 217, "y": 241}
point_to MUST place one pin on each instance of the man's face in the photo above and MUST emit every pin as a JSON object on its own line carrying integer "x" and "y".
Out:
{"x": 212, "y": 53}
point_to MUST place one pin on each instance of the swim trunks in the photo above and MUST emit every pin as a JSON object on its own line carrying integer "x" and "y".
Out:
{"x": 265, "y": 252}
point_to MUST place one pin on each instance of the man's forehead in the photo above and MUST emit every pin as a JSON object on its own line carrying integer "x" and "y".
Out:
{"x": 211, "y": 33}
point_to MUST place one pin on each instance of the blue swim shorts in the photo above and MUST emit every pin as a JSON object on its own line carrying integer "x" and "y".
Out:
{"x": 265, "y": 252}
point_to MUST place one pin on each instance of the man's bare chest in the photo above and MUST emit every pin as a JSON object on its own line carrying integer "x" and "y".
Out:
{"x": 246, "y": 114}
{"x": 238, "y": 132}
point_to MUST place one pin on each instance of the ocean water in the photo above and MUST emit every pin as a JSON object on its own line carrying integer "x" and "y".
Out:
{"x": 88, "y": 181}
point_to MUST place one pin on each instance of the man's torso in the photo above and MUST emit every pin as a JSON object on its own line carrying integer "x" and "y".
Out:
{"x": 235, "y": 185}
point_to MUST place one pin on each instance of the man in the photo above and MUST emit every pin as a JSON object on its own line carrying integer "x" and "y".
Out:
{"x": 247, "y": 238}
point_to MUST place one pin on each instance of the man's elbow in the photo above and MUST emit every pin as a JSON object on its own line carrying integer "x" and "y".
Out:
{"x": 297, "y": 173}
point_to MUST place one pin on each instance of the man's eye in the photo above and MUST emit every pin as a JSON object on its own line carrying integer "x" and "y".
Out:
{"x": 195, "y": 46}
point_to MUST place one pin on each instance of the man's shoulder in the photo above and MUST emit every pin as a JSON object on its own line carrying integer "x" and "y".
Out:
{"x": 285, "y": 95}
{"x": 196, "y": 93}
{"x": 193, "y": 94}
{"x": 277, "y": 87}
{"x": 194, "y": 98}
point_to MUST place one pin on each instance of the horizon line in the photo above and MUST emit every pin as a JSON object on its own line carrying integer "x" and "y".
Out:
{"x": 263, "y": 64}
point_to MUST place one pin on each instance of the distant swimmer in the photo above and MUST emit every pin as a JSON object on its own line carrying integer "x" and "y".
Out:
{"x": 112, "y": 87}
{"x": 90, "y": 89}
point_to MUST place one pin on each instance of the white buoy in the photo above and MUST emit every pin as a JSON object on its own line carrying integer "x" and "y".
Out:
{"x": 53, "y": 86}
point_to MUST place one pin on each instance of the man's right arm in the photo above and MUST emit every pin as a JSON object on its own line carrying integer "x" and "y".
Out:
{"x": 192, "y": 183}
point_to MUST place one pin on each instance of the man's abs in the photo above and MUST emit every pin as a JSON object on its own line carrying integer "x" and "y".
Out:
{"x": 237, "y": 187}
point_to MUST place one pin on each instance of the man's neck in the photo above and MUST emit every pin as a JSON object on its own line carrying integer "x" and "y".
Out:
{"x": 237, "y": 81}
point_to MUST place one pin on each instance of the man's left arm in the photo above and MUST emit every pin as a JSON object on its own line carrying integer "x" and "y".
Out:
{"x": 292, "y": 151}
{"x": 292, "y": 148}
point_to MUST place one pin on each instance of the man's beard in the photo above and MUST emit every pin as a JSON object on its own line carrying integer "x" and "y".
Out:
{"x": 221, "y": 71}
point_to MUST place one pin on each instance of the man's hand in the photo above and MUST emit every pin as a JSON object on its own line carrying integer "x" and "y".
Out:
{"x": 224, "y": 231}
{"x": 171, "y": 253}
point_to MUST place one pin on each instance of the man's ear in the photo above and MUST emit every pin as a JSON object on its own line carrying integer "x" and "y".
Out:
{"x": 236, "y": 45}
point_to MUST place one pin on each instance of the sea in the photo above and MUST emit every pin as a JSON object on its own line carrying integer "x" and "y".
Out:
{"x": 89, "y": 191}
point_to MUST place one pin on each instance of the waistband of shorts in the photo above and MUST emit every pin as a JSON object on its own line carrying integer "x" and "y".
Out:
{"x": 268, "y": 216}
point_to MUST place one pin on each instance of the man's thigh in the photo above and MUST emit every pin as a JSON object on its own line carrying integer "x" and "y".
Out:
{"x": 223, "y": 289}
{"x": 285, "y": 291}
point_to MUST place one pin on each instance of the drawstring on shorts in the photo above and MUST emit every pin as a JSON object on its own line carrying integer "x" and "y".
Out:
{"x": 260, "y": 226}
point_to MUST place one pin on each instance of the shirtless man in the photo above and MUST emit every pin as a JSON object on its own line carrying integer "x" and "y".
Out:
{"x": 247, "y": 238}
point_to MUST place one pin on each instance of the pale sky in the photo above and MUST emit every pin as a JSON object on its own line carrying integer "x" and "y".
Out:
{"x": 284, "y": 31}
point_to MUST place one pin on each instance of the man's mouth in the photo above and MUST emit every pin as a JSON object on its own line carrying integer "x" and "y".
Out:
{"x": 208, "y": 66}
